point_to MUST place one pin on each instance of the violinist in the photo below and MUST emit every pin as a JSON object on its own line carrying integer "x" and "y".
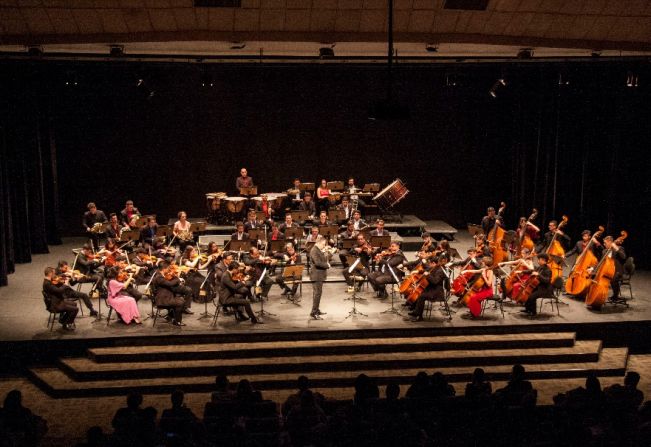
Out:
{"x": 167, "y": 287}
{"x": 363, "y": 251}
{"x": 128, "y": 213}
{"x": 581, "y": 245}
{"x": 491, "y": 218}
{"x": 289, "y": 257}
{"x": 308, "y": 205}
{"x": 70, "y": 278}
{"x": 389, "y": 259}
{"x": 427, "y": 250}
{"x": 481, "y": 246}
{"x": 239, "y": 234}
{"x": 114, "y": 228}
{"x": 148, "y": 232}
{"x": 88, "y": 263}
{"x": 56, "y": 300}
{"x": 91, "y": 219}
{"x": 233, "y": 293}
{"x": 193, "y": 278}
{"x": 483, "y": 288}
{"x": 212, "y": 259}
{"x": 125, "y": 306}
{"x": 435, "y": 290}
{"x": 146, "y": 265}
{"x": 544, "y": 288}
{"x": 616, "y": 252}
{"x": 182, "y": 231}
{"x": 322, "y": 195}
{"x": 561, "y": 237}
{"x": 258, "y": 264}
{"x": 111, "y": 253}
{"x": 133, "y": 270}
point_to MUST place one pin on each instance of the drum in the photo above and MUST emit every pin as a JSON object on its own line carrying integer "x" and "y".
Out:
{"x": 392, "y": 194}
{"x": 334, "y": 198}
{"x": 278, "y": 200}
{"x": 235, "y": 204}
{"x": 213, "y": 200}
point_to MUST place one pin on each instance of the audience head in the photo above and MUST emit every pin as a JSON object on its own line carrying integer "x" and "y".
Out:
{"x": 478, "y": 375}
{"x": 631, "y": 379}
{"x": 134, "y": 400}
{"x": 13, "y": 400}
{"x": 221, "y": 382}
{"x": 177, "y": 398}
{"x": 392, "y": 391}
{"x": 592, "y": 383}
{"x": 517, "y": 373}
{"x": 303, "y": 383}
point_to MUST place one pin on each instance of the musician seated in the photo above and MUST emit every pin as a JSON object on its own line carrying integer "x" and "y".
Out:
{"x": 193, "y": 279}
{"x": 471, "y": 261}
{"x": 483, "y": 248}
{"x": 111, "y": 253}
{"x": 146, "y": 264}
{"x": 91, "y": 220}
{"x": 252, "y": 223}
{"x": 544, "y": 287}
{"x": 71, "y": 278}
{"x": 148, "y": 232}
{"x": 482, "y": 288}
{"x": 295, "y": 194}
{"x": 314, "y": 234}
{"x": 323, "y": 220}
{"x": 128, "y": 213}
{"x": 351, "y": 189}
{"x": 435, "y": 291}
{"x": 520, "y": 269}
{"x": 358, "y": 222}
{"x": 346, "y": 206}
{"x": 322, "y": 196}
{"x": 387, "y": 262}
{"x": 289, "y": 223}
{"x": 274, "y": 233}
{"x": 56, "y": 300}
{"x": 379, "y": 229}
{"x": 363, "y": 251}
{"x": 233, "y": 293}
{"x": 89, "y": 264}
{"x": 170, "y": 293}
{"x": 490, "y": 220}
{"x": 288, "y": 257}
{"x": 348, "y": 233}
{"x": 308, "y": 205}
{"x": 114, "y": 229}
{"x": 266, "y": 207}
{"x": 260, "y": 268}
{"x": 239, "y": 235}
{"x": 182, "y": 231}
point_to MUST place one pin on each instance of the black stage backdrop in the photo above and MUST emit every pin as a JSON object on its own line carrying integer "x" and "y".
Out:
{"x": 577, "y": 149}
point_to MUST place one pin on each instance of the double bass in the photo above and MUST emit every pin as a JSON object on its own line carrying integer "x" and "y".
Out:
{"x": 524, "y": 240}
{"x": 604, "y": 273}
{"x": 495, "y": 239}
{"x": 578, "y": 281}
{"x": 556, "y": 252}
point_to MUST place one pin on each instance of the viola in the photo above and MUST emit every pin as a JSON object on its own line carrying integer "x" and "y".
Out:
{"x": 171, "y": 272}
{"x": 578, "y": 281}
{"x": 496, "y": 240}
{"x": 603, "y": 275}
{"x": 556, "y": 252}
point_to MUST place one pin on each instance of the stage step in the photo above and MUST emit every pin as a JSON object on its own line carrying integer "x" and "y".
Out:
{"x": 611, "y": 362}
{"x": 329, "y": 347}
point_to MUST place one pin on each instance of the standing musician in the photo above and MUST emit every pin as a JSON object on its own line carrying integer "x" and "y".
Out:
{"x": 289, "y": 257}
{"x": 148, "y": 232}
{"x": 114, "y": 229}
{"x": 239, "y": 235}
{"x": 544, "y": 288}
{"x": 619, "y": 256}
{"x": 56, "y": 300}
{"x": 168, "y": 287}
{"x": 233, "y": 293}
{"x": 581, "y": 245}
{"x": 182, "y": 231}
{"x": 391, "y": 258}
{"x": 318, "y": 274}
{"x": 243, "y": 181}
{"x": 308, "y": 205}
{"x": 525, "y": 227}
{"x": 91, "y": 219}
{"x": 70, "y": 278}
{"x": 322, "y": 194}
{"x": 486, "y": 290}
{"x": 88, "y": 263}
{"x": 346, "y": 207}
{"x": 358, "y": 222}
{"x": 128, "y": 213}
{"x": 363, "y": 251}
{"x": 563, "y": 238}
{"x": 488, "y": 221}
{"x": 295, "y": 194}
{"x": 257, "y": 264}
{"x": 379, "y": 229}
{"x": 435, "y": 291}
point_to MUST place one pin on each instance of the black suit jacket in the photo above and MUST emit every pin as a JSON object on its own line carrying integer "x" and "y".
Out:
{"x": 165, "y": 290}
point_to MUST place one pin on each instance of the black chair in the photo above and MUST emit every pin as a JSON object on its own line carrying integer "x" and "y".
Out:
{"x": 552, "y": 301}
{"x": 629, "y": 271}
{"x": 157, "y": 308}
{"x": 51, "y": 319}
{"x": 497, "y": 303}
{"x": 219, "y": 308}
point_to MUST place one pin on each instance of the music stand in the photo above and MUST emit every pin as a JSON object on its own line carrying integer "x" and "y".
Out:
{"x": 260, "y": 215}
{"x": 261, "y": 312}
{"x": 130, "y": 236}
{"x": 306, "y": 187}
{"x": 239, "y": 245}
{"x": 354, "y": 265}
{"x": 348, "y": 243}
{"x": 300, "y": 216}
{"x": 257, "y": 234}
{"x": 198, "y": 227}
{"x": 293, "y": 274}
{"x": 277, "y": 245}
{"x": 371, "y": 187}
{"x": 329, "y": 231}
{"x": 294, "y": 233}
{"x": 380, "y": 241}
{"x": 474, "y": 229}
{"x": 336, "y": 215}
{"x": 392, "y": 309}
{"x": 251, "y": 191}
{"x": 336, "y": 185}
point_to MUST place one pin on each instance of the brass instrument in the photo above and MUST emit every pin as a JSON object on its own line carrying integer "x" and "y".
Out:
{"x": 185, "y": 235}
{"x": 97, "y": 228}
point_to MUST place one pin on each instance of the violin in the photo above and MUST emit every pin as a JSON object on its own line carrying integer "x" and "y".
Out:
{"x": 56, "y": 280}
{"x": 171, "y": 272}
{"x": 382, "y": 254}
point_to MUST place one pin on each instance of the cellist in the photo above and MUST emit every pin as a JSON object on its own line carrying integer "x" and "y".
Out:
{"x": 482, "y": 288}
{"x": 544, "y": 288}
{"x": 513, "y": 283}
{"x": 434, "y": 291}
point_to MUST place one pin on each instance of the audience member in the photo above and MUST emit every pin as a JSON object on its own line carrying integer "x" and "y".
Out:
{"x": 292, "y": 400}
{"x": 478, "y": 388}
{"x": 178, "y": 421}
{"x": 18, "y": 425}
{"x": 518, "y": 392}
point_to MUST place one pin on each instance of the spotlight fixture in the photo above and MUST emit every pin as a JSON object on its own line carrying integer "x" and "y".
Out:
{"x": 525, "y": 53}
{"x": 496, "y": 86}
{"x": 34, "y": 51}
{"x": 116, "y": 51}
{"x": 631, "y": 80}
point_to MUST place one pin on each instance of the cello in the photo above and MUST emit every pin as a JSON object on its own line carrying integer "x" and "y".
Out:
{"x": 496, "y": 239}
{"x": 414, "y": 284}
{"x": 556, "y": 252}
{"x": 604, "y": 273}
{"x": 460, "y": 283}
{"x": 578, "y": 281}
{"x": 518, "y": 275}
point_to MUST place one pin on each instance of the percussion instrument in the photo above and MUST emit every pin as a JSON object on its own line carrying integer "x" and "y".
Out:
{"x": 334, "y": 198}
{"x": 391, "y": 195}
{"x": 213, "y": 200}
{"x": 235, "y": 204}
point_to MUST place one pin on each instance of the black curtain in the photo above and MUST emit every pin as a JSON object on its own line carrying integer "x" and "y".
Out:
{"x": 28, "y": 178}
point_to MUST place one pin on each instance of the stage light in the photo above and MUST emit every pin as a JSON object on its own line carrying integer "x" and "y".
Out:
{"x": 496, "y": 86}
{"x": 631, "y": 80}
{"x": 116, "y": 51}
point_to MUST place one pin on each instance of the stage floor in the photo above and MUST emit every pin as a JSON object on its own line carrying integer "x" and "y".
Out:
{"x": 24, "y": 316}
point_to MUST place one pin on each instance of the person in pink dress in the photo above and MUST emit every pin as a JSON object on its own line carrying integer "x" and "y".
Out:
{"x": 123, "y": 304}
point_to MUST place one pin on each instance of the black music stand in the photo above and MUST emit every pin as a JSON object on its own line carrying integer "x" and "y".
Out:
{"x": 294, "y": 233}
{"x": 348, "y": 243}
{"x": 130, "y": 235}
{"x": 293, "y": 274}
{"x": 335, "y": 186}
{"x": 306, "y": 187}
{"x": 257, "y": 234}
{"x": 380, "y": 241}
{"x": 260, "y": 215}
{"x": 300, "y": 215}
{"x": 371, "y": 187}
{"x": 336, "y": 215}
{"x": 475, "y": 229}
{"x": 262, "y": 312}
{"x": 392, "y": 309}
{"x": 198, "y": 227}
{"x": 163, "y": 231}
{"x": 237, "y": 246}
{"x": 277, "y": 245}
{"x": 329, "y": 231}
{"x": 355, "y": 264}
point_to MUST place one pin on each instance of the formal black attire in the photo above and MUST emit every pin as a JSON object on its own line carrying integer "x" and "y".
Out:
{"x": 258, "y": 268}
{"x": 310, "y": 207}
{"x": 487, "y": 223}
{"x": 580, "y": 246}
{"x": 318, "y": 274}
{"x": 435, "y": 290}
{"x": 619, "y": 257}
{"x": 167, "y": 293}
{"x": 383, "y": 276}
{"x": 125, "y": 218}
{"x": 239, "y": 237}
{"x": 348, "y": 210}
{"x": 148, "y": 234}
{"x": 284, "y": 259}
{"x": 58, "y": 302}
{"x": 113, "y": 232}
{"x": 93, "y": 272}
{"x": 91, "y": 219}
{"x": 72, "y": 294}
{"x": 344, "y": 252}
{"x": 362, "y": 268}
{"x": 544, "y": 288}
{"x": 564, "y": 239}
{"x": 233, "y": 294}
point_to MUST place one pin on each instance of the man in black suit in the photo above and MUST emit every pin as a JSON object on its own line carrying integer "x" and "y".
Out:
{"x": 56, "y": 300}
{"x": 91, "y": 217}
{"x": 435, "y": 290}
{"x": 379, "y": 229}
{"x": 63, "y": 270}
{"x": 239, "y": 235}
{"x": 619, "y": 256}
{"x": 346, "y": 207}
{"x": 233, "y": 293}
{"x": 544, "y": 288}
{"x": 167, "y": 293}
{"x": 318, "y": 274}
{"x": 561, "y": 237}
{"x": 383, "y": 276}
{"x": 308, "y": 205}
{"x": 114, "y": 228}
